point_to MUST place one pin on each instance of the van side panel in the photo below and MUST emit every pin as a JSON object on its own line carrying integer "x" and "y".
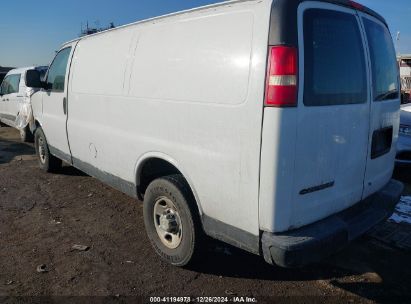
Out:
{"x": 196, "y": 60}
{"x": 104, "y": 75}
{"x": 195, "y": 93}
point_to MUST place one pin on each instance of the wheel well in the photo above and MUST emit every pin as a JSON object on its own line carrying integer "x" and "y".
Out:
{"x": 36, "y": 126}
{"x": 152, "y": 169}
{"x": 33, "y": 126}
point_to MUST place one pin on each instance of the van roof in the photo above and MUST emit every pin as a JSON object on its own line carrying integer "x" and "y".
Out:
{"x": 286, "y": 7}
{"x": 214, "y": 5}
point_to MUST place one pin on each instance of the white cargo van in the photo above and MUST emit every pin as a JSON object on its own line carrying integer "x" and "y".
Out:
{"x": 269, "y": 125}
{"x": 14, "y": 95}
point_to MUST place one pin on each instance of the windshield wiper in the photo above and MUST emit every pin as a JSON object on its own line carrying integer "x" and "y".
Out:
{"x": 387, "y": 95}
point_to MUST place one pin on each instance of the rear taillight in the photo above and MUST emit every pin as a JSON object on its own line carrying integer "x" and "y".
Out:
{"x": 282, "y": 70}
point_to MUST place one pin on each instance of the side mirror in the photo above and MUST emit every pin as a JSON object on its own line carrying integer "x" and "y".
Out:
{"x": 33, "y": 79}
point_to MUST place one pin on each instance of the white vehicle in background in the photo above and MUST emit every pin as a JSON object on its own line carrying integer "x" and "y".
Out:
{"x": 405, "y": 74}
{"x": 15, "y": 100}
{"x": 403, "y": 158}
{"x": 269, "y": 125}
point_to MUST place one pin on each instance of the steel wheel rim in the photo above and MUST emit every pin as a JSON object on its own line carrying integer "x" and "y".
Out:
{"x": 42, "y": 151}
{"x": 167, "y": 222}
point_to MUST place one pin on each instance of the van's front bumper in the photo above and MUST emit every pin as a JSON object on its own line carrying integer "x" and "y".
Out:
{"x": 316, "y": 241}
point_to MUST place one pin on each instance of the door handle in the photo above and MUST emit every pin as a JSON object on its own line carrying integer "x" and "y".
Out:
{"x": 65, "y": 105}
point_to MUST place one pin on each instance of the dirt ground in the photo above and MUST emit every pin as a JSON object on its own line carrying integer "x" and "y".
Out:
{"x": 43, "y": 215}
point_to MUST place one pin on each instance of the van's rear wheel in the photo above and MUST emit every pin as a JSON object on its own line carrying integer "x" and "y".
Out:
{"x": 172, "y": 221}
{"x": 47, "y": 161}
{"x": 26, "y": 135}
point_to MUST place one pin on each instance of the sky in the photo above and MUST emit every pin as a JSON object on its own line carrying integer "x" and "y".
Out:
{"x": 31, "y": 31}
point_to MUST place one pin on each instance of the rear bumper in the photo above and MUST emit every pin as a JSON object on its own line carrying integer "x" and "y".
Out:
{"x": 316, "y": 241}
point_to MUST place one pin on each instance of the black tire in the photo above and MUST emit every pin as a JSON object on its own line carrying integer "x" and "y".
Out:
{"x": 26, "y": 135}
{"x": 47, "y": 161}
{"x": 175, "y": 189}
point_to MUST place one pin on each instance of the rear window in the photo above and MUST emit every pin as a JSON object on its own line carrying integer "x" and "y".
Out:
{"x": 383, "y": 61}
{"x": 335, "y": 71}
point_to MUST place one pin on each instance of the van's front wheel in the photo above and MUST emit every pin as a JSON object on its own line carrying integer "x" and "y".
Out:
{"x": 47, "y": 161}
{"x": 172, "y": 220}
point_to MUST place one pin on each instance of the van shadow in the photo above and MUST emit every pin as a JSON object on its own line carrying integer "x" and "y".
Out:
{"x": 69, "y": 170}
{"x": 385, "y": 275}
{"x": 402, "y": 174}
{"x": 10, "y": 150}
{"x": 365, "y": 268}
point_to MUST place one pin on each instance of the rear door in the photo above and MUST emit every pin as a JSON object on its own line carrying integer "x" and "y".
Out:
{"x": 385, "y": 96}
{"x": 333, "y": 112}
